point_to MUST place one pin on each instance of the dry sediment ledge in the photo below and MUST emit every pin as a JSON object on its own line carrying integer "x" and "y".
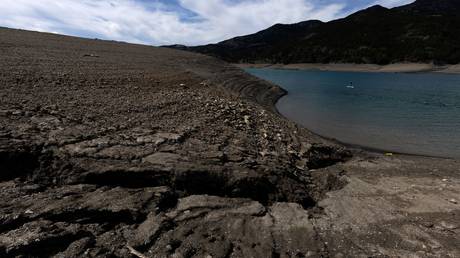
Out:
{"x": 340, "y": 67}
{"x": 113, "y": 149}
{"x": 106, "y": 145}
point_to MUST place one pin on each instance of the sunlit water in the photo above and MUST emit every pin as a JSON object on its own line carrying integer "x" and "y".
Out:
{"x": 410, "y": 113}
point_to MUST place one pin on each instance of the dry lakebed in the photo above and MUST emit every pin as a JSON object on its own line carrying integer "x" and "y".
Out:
{"x": 110, "y": 149}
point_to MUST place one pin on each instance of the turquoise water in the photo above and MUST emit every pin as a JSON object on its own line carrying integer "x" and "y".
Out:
{"x": 416, "y": 113}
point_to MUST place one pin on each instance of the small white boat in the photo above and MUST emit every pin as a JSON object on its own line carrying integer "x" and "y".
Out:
{"x": 350, "y": 86}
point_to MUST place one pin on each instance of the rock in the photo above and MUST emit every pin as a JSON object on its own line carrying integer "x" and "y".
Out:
{"x": 203, "y": 201}
{"x": 124, "y": 152}
{"x": 78, "y": 248}
{"x": 149, "y": 230}
{"x": 45, "y": 121}
{"x": 305, "y": 148}
{"x": 247, "y": 120}
{"x": 279, "y": 136}
{"x": 33, "y": 238}
{"x": 5, "y": 112}
{"x": 170, "y": 137}
{"x": 150, "y": 139}
{"x": 163, "y": 159}
{"x": 302, "y": 164}
{"x": 80, "y": 150}
{"x": 213, "y": 156}
{"x": 90, "y": 55}
{"x": 427, "y": 224}
{"x": 449, "y": 226}
{"x": 17, "y": 113}
{"x": 264, "y": 153}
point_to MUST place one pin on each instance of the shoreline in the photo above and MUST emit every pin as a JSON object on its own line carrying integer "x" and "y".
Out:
{"x": 356, "y": 147}
{"x": 391, "y": 68}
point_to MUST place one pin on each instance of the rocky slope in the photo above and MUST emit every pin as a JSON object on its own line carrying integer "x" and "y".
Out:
{"x": 425, "y": 31}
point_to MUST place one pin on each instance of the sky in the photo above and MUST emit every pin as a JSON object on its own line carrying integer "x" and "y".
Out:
{"x": 164, "y": 22}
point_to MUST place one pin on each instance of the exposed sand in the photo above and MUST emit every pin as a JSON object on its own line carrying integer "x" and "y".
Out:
{"x": 392, "y": 68}
{"x": 452, "y": 69}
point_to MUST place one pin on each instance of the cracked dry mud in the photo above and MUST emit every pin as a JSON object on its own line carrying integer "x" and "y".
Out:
{"x": 107, "y": 147}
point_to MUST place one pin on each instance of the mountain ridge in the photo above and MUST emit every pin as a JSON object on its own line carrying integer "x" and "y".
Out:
{"x": 424, "y": 31}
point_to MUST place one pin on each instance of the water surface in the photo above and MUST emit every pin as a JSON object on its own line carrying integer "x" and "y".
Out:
{"x": 416, "y": 113}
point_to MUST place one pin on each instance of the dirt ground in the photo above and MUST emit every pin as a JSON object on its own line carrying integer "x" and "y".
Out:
{"x": 116, "y": 150}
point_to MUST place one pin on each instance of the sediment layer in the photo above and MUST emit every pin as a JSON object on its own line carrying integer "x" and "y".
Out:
{"x": 108, "y": 147}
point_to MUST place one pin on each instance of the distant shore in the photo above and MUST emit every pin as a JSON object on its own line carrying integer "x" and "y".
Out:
{"x": 391, "y": 68}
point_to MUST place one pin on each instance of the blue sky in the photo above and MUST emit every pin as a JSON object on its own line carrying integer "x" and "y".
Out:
{"x": 160, "y": 22}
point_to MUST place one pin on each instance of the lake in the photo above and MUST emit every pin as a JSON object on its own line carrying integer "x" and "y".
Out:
{"x": 416, "y": 113}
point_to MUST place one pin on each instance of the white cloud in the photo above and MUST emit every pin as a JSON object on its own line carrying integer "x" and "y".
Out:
{"x": 224, "y": 20}
{"x": 132, "y": 21}
{"x": 393, "y": 3}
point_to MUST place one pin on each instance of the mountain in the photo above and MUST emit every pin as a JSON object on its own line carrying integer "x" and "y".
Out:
{"x": 433, "y": 7}
{"x": 424, "y": 31}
